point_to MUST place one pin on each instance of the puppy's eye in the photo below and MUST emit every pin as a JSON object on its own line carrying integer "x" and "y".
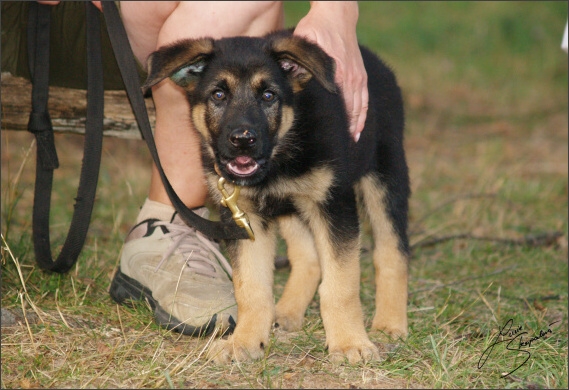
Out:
{"x": 218, "y": 95}
{"x": 268, "y": 96}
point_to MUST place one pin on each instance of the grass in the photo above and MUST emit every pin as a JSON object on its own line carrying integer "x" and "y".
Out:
{"x": 485, "y": 86}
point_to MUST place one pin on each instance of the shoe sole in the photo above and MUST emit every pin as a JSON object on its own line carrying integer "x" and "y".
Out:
{"x": 124, "y": 290}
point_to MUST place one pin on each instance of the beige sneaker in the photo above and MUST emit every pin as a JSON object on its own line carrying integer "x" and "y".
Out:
{"x": 179, "y": 271}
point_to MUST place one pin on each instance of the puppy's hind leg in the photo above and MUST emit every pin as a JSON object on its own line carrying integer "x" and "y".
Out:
{"x": 389, "y": 258}
{"x": 304, "y": 276}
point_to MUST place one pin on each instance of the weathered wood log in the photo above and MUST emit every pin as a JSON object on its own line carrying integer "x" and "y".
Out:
{"x": 68, "y": 109}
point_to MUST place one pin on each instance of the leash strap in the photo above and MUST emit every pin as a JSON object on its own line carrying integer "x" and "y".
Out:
{"x": 46, "y": 154}
{"x": 127, "y": 66}
{"x": 40, "y": 125}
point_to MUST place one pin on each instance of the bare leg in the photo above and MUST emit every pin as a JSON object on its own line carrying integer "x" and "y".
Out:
{"x": 151, "y": 25}
{"x": 182, "y": 299}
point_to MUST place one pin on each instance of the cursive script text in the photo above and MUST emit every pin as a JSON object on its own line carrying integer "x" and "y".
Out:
{"x": 513, "y": 337}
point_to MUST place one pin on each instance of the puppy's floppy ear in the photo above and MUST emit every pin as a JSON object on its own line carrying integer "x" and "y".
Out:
{"x": 301, "y": 60}
{"x": 182, "y": 61}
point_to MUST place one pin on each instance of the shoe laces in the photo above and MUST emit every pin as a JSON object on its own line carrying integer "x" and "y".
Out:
{"x": 195, "y": 249}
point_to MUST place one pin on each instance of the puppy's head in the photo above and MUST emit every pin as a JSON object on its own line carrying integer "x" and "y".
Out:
{"x": 241, "y": 93}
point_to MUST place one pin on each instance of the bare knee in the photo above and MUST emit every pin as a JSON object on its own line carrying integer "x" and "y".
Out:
{"x": 156, "y": 23}
{"x": 143, "y": 21}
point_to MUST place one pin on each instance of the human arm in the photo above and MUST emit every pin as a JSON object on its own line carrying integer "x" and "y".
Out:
{"x": 332, "y": 25}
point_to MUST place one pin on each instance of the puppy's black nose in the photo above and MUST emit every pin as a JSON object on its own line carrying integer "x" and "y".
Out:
{"x": 243, "y": 138}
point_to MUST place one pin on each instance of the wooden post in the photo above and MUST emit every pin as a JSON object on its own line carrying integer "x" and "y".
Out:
{"x": 67, "y": 108}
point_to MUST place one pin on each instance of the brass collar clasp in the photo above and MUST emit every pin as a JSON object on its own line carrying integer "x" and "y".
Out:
{"x": 230, "y": 201}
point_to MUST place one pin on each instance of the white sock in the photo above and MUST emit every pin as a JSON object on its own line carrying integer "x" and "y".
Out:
{"x": 156, "y": 210}
{"x": 163, "y": 212}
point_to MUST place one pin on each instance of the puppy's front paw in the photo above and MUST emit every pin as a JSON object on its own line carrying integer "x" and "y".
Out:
{"x": 355, "y": 351}
{"x": 226, "y": 351}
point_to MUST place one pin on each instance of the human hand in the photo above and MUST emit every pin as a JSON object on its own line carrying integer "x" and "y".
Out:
{"x": 46, "y": 2}
{"x": 332, "y": 25}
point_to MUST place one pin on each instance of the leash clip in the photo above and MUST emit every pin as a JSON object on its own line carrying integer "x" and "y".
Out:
{"x": 230, "y": 201}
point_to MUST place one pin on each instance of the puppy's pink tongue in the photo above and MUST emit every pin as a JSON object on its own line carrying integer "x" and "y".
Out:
{"x": 243, "y": 165}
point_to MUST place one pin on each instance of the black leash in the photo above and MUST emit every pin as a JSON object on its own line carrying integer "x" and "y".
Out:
{"x": 40, "y": 125}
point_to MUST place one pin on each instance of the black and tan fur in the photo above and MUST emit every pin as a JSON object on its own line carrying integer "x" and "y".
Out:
{"x": 273, "y": 121}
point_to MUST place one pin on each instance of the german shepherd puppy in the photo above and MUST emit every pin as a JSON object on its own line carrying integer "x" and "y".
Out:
{"x": 273, "y": 121}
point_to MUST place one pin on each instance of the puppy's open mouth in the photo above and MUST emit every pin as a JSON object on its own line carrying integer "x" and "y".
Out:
{"x": 243, "y": 166}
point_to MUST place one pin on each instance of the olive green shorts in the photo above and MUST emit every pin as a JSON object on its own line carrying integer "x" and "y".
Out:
{"x": 68, "y": 54}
